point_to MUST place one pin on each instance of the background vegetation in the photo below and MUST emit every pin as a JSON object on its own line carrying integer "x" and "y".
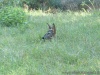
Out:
{"x": 75, "y": 49}
{"x": 45, "y": 4}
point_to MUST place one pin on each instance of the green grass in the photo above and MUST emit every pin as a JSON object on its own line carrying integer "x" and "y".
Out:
{"x": 76, "y": 46}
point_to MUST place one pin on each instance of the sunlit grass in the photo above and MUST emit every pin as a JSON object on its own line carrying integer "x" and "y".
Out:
{"x": 75, "y": 47}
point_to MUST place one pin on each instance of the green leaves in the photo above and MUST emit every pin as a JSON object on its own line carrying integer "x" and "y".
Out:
{"x": 12, "y": 16}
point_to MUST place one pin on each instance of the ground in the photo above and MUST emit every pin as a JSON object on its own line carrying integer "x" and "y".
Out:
{"x": 76, "y": 47}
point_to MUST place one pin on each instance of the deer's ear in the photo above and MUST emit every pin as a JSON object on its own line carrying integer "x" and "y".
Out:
{"x": 49, "y": 26}
{"x": 54, "y": 28}
{"x": 53, "y": 25}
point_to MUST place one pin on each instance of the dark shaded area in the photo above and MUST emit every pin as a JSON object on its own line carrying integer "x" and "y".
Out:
{"x": 73, "y": 5}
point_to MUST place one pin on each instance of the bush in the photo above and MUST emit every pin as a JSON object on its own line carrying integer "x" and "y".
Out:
{"x": 55, "y": 3}
{"x": 12, "y": 16}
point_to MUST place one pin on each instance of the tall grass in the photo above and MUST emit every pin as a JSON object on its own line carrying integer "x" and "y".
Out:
{"x": 75, "y": 47}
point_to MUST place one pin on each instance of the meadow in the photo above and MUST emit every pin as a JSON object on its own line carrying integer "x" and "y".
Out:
{"x": 76, "y": 47}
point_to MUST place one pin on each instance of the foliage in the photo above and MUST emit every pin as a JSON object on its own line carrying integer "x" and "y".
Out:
{"x": 10, "y": 3}
{"x": 12, "y": 16}
{"x": 45, "y": 4}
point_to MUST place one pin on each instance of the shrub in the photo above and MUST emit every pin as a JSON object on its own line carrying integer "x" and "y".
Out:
{"x": 62, "y": 4}
{"x": 55, "y": 3}
{"x": 12, "y": 16}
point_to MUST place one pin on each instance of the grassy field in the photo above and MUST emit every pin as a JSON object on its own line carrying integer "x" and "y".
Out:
{"x": 76, "y": 47}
